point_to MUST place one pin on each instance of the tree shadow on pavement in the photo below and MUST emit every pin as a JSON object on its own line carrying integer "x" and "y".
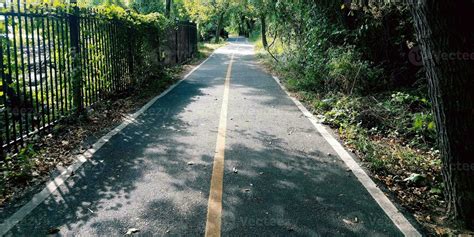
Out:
{"x": 140, "y": 172}
{"x": 279, "y": 192}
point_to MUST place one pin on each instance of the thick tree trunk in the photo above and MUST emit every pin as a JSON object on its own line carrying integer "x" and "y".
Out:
{"x": 264, "y": 31}
{"x": 242, "y": 23}
{"x": 220, "y": 19}
{"x": 168, "y": 8}
{"x": 444, "y": 29}
{"x": 249, "y": 28}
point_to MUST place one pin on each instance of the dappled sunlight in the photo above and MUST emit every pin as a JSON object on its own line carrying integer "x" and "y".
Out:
{"x": 154, "y": 175}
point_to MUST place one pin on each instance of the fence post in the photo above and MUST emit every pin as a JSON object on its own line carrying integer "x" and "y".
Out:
{"x": 131, "y": 47}
{"x": 176, "y": 40}
{"x": 190, "y": 54}
{"x": 76, "y": 77}
{"x": 4, "y": 89}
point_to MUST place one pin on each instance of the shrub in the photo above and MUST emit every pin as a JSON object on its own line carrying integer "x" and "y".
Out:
{"x": 348, "y": 73}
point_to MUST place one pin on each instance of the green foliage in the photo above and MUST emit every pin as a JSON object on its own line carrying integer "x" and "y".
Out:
{"x": 17, "y": 169}
{"x": 133, "y": 19}
{"x": 348, "y": 72}
{"x": 350, "y": 64}
{"x": 399, "y": 115}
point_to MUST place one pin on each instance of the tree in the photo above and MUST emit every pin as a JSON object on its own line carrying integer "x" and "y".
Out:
{"x": 264, "y": 30}
{"x": 220, "y": 8}
{"x": 209, "y": 11}
{"x": 263, "y": 7}
{"x": 168, "y": 8}
{"x": 445, "y": 33}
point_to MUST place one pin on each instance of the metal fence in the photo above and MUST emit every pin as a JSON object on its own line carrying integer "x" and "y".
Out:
{"x": 42, "y": 50}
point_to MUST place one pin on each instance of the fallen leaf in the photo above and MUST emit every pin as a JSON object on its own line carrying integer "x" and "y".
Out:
{"x": 351, "y": 222}
{"x": 414, "y": 178}
{"x": 132, "y": 230}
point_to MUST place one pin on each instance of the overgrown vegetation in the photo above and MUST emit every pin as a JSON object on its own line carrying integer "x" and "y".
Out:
{"x": 351, "y": 65}
{"x": 206, "y": 48}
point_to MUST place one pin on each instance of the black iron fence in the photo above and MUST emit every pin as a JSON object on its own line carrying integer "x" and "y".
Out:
{"x": 54, "y": 62}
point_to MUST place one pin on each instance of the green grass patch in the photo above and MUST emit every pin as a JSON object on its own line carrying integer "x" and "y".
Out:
{"x": 206, "y": 48}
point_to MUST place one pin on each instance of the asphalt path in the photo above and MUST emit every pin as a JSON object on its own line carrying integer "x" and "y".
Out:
{"x": 280, "y": 177}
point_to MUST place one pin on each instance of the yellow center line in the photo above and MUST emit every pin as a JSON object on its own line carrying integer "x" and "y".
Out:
{"x": 214, "y": 207}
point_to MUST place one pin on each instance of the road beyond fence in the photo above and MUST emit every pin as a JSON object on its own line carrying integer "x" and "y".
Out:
{"x": 59, "y": 60}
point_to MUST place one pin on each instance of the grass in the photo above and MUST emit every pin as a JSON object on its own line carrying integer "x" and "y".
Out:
{"x": 276, "y": 48}
{"x": 206, "y": 48}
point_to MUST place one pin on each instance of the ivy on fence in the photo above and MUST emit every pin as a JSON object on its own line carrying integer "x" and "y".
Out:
{"x": 56, "y": 61}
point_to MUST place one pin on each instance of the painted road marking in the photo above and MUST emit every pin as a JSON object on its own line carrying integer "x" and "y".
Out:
{"x": 388, "y": 207}
{"x": 58, "y": 181}
{"x": 214, "y": 207}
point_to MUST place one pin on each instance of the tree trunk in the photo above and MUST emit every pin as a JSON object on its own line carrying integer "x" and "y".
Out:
{"x": 220, "y": 19}
{"x": 264, "y": 31}
{"x": 242, "y": 23}
{"x": 249, "y": 28}
{"x": 446, "y": 36}
{"x": 168, "y": 8}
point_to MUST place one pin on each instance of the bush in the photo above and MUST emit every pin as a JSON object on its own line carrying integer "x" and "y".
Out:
{"x": 348, "y": 73}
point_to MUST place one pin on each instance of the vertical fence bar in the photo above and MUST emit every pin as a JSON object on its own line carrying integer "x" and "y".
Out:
{"x": 96, "y": 58}
{"x": 102, "y": 33}
{"x": 23, "y": 103}
{"x": 36, "y": 119}
{"x": 68, "y": 48}
{"x": 117, "y": 57}
{"x": 13, "y": 95}
{"x": 111, "y": 58}
{"x": 59, "y": 64}
{"x": 120, "y": 44}
{"x": 40, "y": 70}
{"x": 45, "y": 63}
{"x": 103, "y": 63}
{"x": 28, "y": 56}
{"x": 85, "y": 62}
{"x": 63, "y": 63}
{"x": 91, "y": 64}
{"x": 176, "y": 44}
{"x": 52, "y": 59}
{"x": 130, "y": 55}
{"x": 4, "y": 97}
{"x": 52, "y": 65}
{"x": 110, "y": 70}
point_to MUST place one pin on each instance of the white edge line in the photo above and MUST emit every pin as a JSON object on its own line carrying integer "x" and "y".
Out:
{"x": 389, "y": 208}
{"x": 59, "y": 180}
